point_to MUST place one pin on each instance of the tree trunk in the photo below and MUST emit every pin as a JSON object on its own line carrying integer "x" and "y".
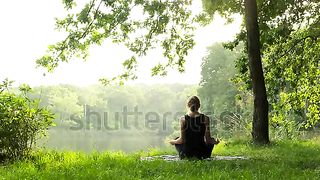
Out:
{"x": 260, "y": 129}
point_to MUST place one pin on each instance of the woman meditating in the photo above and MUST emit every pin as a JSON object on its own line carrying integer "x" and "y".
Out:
{"x": 195, "y": 139}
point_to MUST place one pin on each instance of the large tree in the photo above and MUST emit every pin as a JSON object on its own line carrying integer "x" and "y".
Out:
{"x": 260, "y": 127}
{"x": 289, "y": 40}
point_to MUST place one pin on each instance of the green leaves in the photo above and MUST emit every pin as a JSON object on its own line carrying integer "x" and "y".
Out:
{"x": 25, "y": 88}
{"x": 69, "y": 4}
{"x": 5, "y": 85}
{"x": 292, "y": 71}
{"x": 159, "y": 70}
{"x": 163, "y": 23}
{"x": 83, "y": 17}
{"x": 22, "y": 121}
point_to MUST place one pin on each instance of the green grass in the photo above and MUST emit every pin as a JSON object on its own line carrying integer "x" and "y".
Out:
{"x": 280, "y": 160}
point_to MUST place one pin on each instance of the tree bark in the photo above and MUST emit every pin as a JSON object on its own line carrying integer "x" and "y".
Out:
{"x": 260, "y": 129}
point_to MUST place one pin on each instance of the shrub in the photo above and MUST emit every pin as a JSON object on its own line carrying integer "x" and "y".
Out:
{"x": 22, "y": 121}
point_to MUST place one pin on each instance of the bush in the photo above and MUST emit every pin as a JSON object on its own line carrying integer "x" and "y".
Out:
{"x": 22, "y": 121}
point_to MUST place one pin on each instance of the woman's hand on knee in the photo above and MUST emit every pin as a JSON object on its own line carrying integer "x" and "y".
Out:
{"x": 172, "y": 142}
{"x": 178, "y": 140}
{"x": 216, "y": 141}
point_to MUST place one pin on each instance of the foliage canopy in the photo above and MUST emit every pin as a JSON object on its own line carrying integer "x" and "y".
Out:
{"x": 140, "y": 25}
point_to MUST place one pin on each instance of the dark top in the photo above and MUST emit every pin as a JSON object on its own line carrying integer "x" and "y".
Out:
{"x": 194, "y": 144}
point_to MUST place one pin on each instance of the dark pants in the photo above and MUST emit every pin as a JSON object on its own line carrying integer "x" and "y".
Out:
{"x": 205, "y": 152}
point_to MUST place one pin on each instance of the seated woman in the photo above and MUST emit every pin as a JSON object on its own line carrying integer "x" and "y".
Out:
{"x": 195, "y": 139}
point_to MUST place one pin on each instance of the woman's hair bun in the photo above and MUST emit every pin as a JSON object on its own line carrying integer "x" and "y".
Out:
{"x": 193, "y": 103}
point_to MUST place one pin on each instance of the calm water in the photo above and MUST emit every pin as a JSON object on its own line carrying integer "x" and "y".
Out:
{"x": 89, "y": 140}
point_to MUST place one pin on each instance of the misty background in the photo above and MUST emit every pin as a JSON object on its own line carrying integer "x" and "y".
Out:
{"x": 73, "y": 92}
{"x": 136, "y": 117}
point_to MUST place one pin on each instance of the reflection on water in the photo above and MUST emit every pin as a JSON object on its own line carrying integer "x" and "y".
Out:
{"x": 66, "y": 139}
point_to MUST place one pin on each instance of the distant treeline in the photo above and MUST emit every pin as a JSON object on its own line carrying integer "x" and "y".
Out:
{"x": 134, "y": 107}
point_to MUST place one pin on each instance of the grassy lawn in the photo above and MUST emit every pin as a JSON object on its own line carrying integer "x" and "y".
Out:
{"x": 280, "y": 160}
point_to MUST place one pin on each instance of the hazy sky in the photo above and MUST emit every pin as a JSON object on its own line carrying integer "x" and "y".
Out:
{"x": 27, "y": 28}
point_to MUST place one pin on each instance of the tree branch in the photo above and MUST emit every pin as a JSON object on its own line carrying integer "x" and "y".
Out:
{"x": 94, "y": 18}
{"x": 298, "y": 42}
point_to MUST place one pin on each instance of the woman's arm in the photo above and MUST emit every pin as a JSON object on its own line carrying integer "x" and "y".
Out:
{"x": 207, "y": 134}
{"x": 180, "y": 140}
